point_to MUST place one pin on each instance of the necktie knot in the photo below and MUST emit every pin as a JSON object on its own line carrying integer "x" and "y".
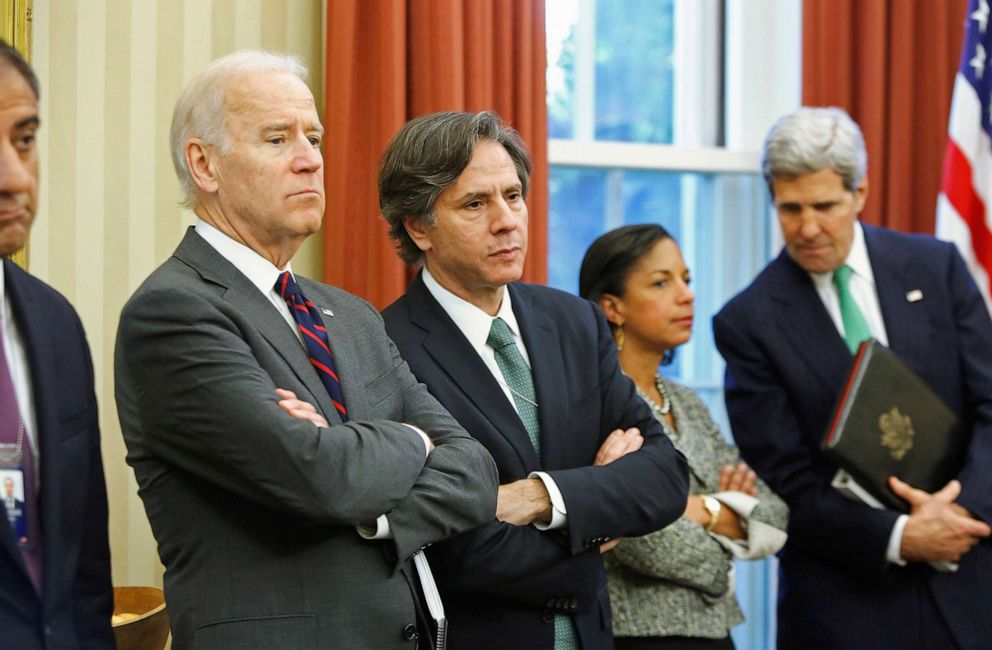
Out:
{"x": 856, "y": 328}
{"x": 288, "y": 290}
{"x": 842, "y": 278}
{"x": 500, "y": 335}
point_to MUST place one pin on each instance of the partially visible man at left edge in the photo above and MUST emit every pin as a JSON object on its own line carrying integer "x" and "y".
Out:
{"x": 55, "y": 590}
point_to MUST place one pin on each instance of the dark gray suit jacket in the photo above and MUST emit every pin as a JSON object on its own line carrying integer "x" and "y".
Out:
{"x": 255, "y": 511}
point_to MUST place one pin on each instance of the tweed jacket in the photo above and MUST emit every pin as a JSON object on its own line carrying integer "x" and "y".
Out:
{"x": 676, "y": 581}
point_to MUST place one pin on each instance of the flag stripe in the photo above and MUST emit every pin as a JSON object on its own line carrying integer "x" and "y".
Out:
{"x": 966, "y": 183}
{"x": 961, "y": 194}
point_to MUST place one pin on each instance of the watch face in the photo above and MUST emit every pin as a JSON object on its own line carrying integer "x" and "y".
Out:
{"x": 712, "y": 506}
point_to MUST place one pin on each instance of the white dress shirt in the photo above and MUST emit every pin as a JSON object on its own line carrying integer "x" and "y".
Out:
{"x": 475, "y": 325}
{"x": 865, "y": 294}
{"x": 260, "y": 271}
{"x": 20, "y": 373}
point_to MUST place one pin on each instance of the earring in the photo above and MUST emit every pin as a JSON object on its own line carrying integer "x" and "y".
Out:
{"x": 618, "y": 337}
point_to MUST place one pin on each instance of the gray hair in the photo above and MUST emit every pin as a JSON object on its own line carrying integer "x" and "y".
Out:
{"x": 811, "y": 139}
{"x": 427, "y": 155}
{"x": 199, "y": 112}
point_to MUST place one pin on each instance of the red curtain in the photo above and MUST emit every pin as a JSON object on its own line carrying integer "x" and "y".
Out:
{"x": 891, "y": 65}
{"x": 389, "y": 61}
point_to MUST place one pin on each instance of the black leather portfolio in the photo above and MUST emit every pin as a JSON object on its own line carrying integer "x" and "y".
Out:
{"x": 888, "y": 422}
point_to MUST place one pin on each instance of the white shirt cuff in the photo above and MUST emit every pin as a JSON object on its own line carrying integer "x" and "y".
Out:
{"x": 424, "y": 437}
{"x": 379, "y": 529}
{"x": 559, "y": 516}
{"x": 762, "y": 539}
{"x": 892, "y": 553}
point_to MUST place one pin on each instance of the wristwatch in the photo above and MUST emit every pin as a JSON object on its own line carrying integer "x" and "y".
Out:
{"x": 712, "y": 505}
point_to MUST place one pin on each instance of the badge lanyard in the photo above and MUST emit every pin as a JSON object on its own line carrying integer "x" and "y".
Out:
{"x": 14, "y": 489}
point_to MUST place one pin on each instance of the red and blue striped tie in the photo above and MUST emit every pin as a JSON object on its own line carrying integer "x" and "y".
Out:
{"x": 315, "y": 337}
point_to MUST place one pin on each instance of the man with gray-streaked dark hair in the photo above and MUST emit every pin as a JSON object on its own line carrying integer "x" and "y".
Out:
{"x": 530, "y": 372}
{"x": 291, "y": 466}
{"x": 409, "y": 187}
{"x": 854, "y": 576}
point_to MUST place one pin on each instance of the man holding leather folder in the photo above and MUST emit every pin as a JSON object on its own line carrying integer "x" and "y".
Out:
{"x": 853, "y": 576}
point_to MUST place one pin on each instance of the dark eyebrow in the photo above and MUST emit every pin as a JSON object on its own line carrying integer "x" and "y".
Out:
{"x": 28, "y": 121}
{"x": 472, "y": 196}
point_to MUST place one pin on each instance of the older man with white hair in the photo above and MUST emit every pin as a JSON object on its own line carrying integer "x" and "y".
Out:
{"x": 856, "y": 577}
{"x": 289, "y": 462}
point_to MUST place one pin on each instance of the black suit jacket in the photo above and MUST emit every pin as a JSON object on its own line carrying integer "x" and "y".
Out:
{"x": 786, "y": 363}
{"x": 502, "y": 584}
{"x": 74, "y": 608}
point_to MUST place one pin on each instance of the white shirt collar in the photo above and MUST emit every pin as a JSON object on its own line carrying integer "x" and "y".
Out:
{"x": 472, "y": 321}
{"x": 857, "y": 259}
{"x": 262, "y": 273}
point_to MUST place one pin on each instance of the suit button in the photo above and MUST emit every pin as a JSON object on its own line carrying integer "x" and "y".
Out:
{"x": 548, "y": 616}
{"x": 587, "y": 543}
{"x": 550, "y": 603}
{"x": 572, "y": 604}
{"x": 410, "y": 632}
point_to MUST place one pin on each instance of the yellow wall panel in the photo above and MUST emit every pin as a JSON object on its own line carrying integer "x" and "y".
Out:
{"x": 109, "y": 213}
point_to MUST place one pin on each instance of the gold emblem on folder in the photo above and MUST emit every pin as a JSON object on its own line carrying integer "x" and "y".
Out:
{"x": 897, "y": 432}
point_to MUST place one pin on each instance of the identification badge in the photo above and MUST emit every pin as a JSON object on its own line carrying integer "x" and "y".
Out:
{"x": 12, "y": 482}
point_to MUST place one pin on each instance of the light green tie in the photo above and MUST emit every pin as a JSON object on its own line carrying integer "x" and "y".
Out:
{"x": 855, "y": 326}
{"x": 518, "y": 377}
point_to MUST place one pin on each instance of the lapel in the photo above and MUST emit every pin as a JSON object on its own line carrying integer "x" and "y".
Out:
{"x": 804, "y": 324}
{"x": 247, "y": 299}
{"x": 894, "y": 278}
{"x": 48, "y": 435}
{"x": 543, "y": 342}
{"x": 456, "y": 357}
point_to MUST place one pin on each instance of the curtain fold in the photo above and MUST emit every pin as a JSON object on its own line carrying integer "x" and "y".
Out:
{"x": 891, "y": 65}
{"x": 390, "y": 61}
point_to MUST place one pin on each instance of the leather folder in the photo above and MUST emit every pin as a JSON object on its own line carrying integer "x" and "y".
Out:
{"x": 888, "y": 422}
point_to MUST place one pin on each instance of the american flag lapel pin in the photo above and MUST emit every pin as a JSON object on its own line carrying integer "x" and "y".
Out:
{"x": 914, "y": 296}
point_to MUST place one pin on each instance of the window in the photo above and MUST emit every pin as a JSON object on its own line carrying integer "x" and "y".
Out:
{"x": 656, "y": 113}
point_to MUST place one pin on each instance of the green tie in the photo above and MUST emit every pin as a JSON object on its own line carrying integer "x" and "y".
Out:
{"x": 855, "y": 326}
{"x": 517, "y": 374}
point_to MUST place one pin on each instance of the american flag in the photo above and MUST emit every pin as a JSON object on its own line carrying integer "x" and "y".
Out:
{"x": 966, "y": 187}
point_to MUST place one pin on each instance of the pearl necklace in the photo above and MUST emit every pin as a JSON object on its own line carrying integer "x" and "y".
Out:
{"x": 666, "y": 404}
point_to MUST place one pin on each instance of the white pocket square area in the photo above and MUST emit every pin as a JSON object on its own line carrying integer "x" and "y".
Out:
{"x": 914, "y": 296}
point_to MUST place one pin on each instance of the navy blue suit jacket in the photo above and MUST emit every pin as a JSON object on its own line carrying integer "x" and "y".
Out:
{"x": 76, "y": 602}
{"x": 786, "y": 363}
{"x": 502, "y": 584}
